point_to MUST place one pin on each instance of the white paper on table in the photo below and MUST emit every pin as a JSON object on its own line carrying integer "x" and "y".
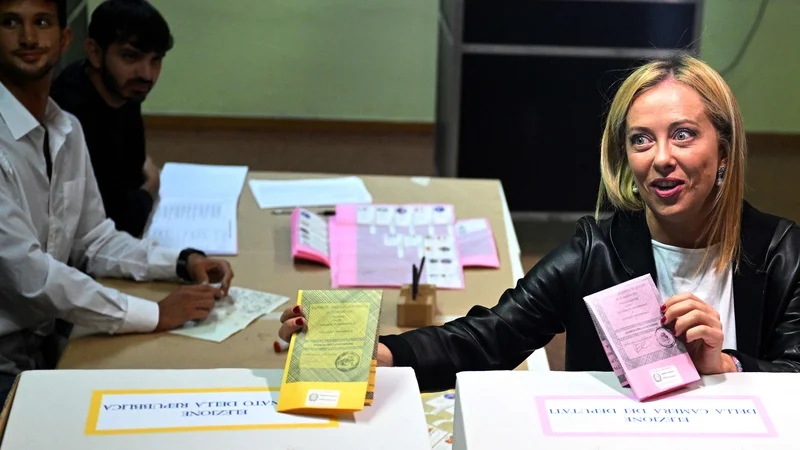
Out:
{"x": 314, "y": 192}
{"x": 232, "y": 313}
{"x": 208, "y": 225}
{"x": 200, "y": 181}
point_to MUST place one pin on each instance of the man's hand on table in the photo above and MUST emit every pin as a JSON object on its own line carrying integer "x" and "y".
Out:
{"x": 292, "y": 321}
{"x": 206, "y": 270}
{"x": 195, "y": 302}
{"x": 185, "y": 304}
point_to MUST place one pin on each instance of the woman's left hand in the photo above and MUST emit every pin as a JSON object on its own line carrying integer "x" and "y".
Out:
{"x": 700, "y": 324}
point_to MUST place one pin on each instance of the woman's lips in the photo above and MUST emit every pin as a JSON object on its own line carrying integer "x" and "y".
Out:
{"x": 668, "y": 192}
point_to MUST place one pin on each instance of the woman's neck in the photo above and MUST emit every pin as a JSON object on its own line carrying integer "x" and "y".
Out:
{"x": 679, "y": 233}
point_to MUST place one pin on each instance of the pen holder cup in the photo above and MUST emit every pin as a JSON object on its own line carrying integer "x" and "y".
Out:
{"x": 419, "y": 312}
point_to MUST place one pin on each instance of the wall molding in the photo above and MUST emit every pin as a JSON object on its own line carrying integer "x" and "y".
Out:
{"x": 285, "y": 125}
{"x": 757, "y": 141}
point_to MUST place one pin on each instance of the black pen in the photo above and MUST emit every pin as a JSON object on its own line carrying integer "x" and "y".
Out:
{"x": 326, "y": 212}
{"x": 414, "y": 281}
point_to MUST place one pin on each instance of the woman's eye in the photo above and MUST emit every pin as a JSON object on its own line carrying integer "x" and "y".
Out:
{"x": 639, "y": 140}
{"x": 683, "y": 135}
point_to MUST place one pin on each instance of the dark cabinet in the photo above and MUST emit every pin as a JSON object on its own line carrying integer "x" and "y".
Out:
{"x": 523, "y": 87}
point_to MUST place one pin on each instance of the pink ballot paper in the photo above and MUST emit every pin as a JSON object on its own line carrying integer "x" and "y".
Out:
{"x": 642, "y": 352}
{"x": 376, "y": 245}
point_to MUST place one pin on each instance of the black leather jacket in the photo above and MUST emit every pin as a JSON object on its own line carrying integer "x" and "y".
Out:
{"x": 549, "y": 300}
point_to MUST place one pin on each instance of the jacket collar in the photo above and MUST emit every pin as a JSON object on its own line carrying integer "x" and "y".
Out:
{"x": 631, "y": 239}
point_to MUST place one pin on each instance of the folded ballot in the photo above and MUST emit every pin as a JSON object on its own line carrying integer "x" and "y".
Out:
{"x": 644, "y": 354}
{"x": 330, "y": 369}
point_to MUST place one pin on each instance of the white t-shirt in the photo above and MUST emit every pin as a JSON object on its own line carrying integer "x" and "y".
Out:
{"x": 676, "y": 269}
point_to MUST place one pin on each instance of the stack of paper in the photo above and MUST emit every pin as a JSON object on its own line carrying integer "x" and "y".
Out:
{"x": 643, "y": 353}
{"x": 476, "y": 243}
{"x": 331, "y": 367}
{"x": 197, "y": 207}
{"x": 314, "y": 192}
{"x": 310, "y": 236}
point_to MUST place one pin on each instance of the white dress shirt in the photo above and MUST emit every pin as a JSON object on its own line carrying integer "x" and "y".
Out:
{"x": 55, "y": 232}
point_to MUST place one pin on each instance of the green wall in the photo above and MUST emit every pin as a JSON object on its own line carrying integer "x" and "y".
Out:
{"x": 766, "y": 81}
{"x": 341, "y": 59}
{"x": 375, "y": 59}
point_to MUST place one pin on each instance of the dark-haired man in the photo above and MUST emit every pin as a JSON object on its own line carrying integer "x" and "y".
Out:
{"x": 53, "y": 220}
{"x": 127, "y": 41}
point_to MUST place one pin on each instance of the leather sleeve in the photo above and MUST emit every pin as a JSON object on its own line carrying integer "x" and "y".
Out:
{"x": 781, "y": 340}
{"x": 499, "y": 338}
{"x": 782, "y": 352}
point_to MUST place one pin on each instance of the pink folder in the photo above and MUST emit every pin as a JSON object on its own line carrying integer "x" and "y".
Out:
{"x": 476, "y": 243}
{"x": 652, "y": 359}
{"x": 310, "y": 235}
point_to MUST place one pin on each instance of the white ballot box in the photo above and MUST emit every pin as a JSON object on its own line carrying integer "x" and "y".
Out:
{"x": 197, "y": 410}
{"x": 572, "y": 410}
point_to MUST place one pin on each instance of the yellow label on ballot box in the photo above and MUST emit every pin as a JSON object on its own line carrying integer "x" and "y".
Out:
{"x": 331, "y": 367}
{"x": 139, "y": 411}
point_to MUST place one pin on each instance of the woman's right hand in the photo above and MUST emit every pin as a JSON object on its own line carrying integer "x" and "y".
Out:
{"x": 293, "y": 320}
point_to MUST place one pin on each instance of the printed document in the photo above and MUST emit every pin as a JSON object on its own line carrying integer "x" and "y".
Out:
{"x": 197, "y": 207}
{"x": 330, "y": 368}
{"x": 312, "y": 192}
{"x": 652, "y": 359}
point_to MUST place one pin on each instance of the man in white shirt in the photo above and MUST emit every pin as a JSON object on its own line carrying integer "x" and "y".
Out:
{"x": 53, "y": 228}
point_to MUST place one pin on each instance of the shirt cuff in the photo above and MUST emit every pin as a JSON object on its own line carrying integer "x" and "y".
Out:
{"x": 163, "y": 263}
{"x": 141, "y": 315}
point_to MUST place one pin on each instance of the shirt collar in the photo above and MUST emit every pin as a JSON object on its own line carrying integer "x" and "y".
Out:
{"x": 20, "y": 121}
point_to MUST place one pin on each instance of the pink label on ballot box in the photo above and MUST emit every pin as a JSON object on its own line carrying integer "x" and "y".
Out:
{"x": 678, "y": 416}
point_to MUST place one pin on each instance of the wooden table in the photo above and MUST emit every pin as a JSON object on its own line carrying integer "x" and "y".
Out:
{"x": 265, "y": 263}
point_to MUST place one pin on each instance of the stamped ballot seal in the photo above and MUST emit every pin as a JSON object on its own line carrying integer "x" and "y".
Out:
{"x": 665, "y": 338}
{"x": 347, "y": 361}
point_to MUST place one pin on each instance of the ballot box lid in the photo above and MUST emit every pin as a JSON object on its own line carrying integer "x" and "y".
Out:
{"x": 568, "y": 410}
{"x": 197, "y": 409}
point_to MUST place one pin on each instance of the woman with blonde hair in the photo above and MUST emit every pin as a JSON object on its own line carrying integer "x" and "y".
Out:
{"x": 672, "y": 169}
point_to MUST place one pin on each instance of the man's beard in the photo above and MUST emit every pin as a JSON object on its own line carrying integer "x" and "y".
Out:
{"x": 22, "y": 75}
{"x": 113, "y": 86}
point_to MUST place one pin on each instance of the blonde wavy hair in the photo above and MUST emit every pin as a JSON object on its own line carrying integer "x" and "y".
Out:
{"x": 616, "y": 178}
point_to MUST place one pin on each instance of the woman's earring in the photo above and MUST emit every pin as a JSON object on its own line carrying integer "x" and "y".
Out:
{"x": 635, "y": 188}
{"x": 721, "y": 175}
